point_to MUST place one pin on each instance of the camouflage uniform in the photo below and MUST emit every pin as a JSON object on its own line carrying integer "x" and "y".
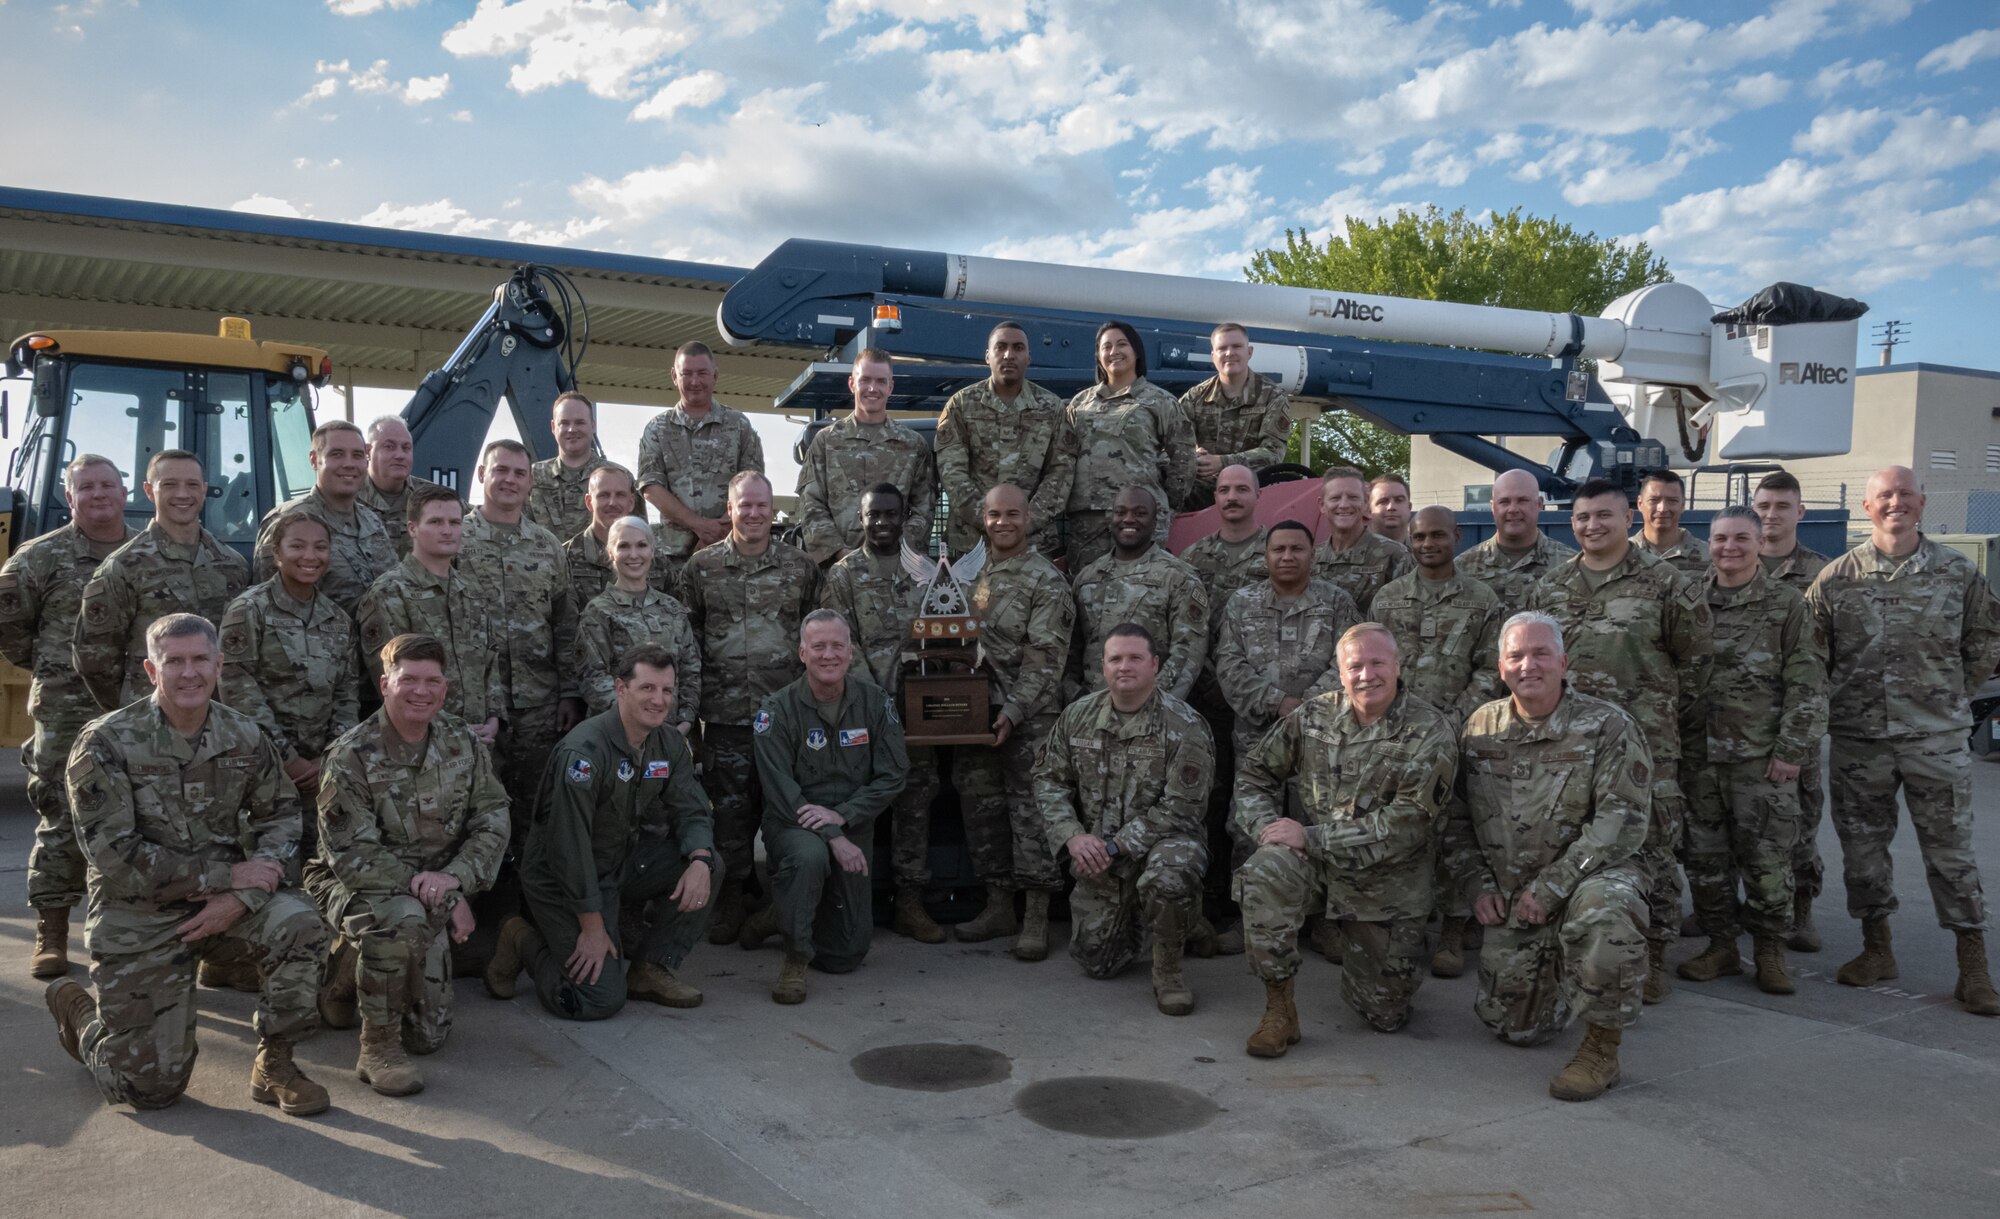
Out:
{"x": 389, "y": 809}
{"x": 1026, "y": 615}
{"x": 1372, "y": 798}
{"x": 984, "y": 440}
{"x": 590, "y": 571}
{"x": 1252, "y": 430}
{"x": 141, "y": 582}
{"x": 1139, "y": 780}
{"x": 1270, "y": 649}
{"x": 879, "y": 600}
{"x": 1797, "y": 571}
{"x": 613, "y": 829}
{"x": 852, "y": 763}
{"x": 694, "y": 459}
{"x": 518, "y": 573}
{"x": 1363, "y": 568}
{"x": 1556, "y": 808}
{"x": 292, "y": 667}
{"x": 1449, "y": 634}
{"x": 1640, "y": 635}
{"x": 1226, "y": 566}
{"x": 845, "y": 459}
{"x": 408, "y": 599}
{"x": 614, "y": 622}
{"x": 359, "y": 547}
{"x": 555, "y": 496}
{"x": 392, "y": 509}
{"x": 1766, "y": 699}
{"x": 1689, "y": 555}
{"x": 1155, "y": 590}
{"x": 162, "y": 818}
{"x": 1907, "y": 641}
{"x": 745, "y": 611}
{"x": 1513, "y": 577}
{"x": 1136, "y": 436}
{"x": 41, "y": 590}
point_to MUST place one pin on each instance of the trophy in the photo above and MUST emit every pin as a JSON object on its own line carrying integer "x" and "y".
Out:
{"x": 946, "y": 689}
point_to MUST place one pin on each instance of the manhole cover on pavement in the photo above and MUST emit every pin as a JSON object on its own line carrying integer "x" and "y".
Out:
{"x": 1110, "y": 1107}
{"x": 932, "y": 1066}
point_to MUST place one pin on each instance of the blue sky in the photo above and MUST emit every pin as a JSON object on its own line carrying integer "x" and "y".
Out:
{"x": 1850, "y": 144}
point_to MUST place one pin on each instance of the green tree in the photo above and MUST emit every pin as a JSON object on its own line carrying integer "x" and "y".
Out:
{"x": 1508, "y": 259}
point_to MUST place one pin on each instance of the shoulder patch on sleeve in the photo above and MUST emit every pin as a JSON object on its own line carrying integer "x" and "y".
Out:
{"x": 579, "y": 770}
{"x": 762, "y": 723}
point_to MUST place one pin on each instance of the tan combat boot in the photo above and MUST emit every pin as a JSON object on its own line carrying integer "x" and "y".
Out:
{"x": 791, "y": 987}
{"x": 1449, "y": 959}
{"x": 1278, "y": 1031}
{"x": 51, "y": 959}
{"x": 729, "y": 913}
{"x": 912, "y": 919}
{"x": 1658, "y": 986}
{"x": 276, "y": 1080}
{"x": 1805, "y": 936}
{"x": 657, "y": 984}
{"x": 1326, "y": 940}
{"x": 237, "y": 974}
{"x": 1877, "y": 962}
{"x": 1771, "y": 976}
{"x": 1975, "y": 984}
{"x": 996, "y": 920}
{"x": 336, "y": 994}
{"x": 510, "y": 951}
{"x": 759, "y": 927}
{"x": 1594, "y": 1068}
{"x": 1170, "y": 991}
{"x": 384, "y": 1065}
{"x": 1033, "y": 942}
{"x": 70, "y": 1003}
{"x": 1718, "y": 960}
{"x": 1230, "y": 943}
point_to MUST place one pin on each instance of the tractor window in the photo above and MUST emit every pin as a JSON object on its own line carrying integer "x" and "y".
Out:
{"x": 127, "y": 415}
{"x": 226, "y": 450}
{"x": 291, "y": 438}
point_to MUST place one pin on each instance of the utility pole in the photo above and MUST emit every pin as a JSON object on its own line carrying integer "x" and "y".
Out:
{"x": 1888, "y": 335}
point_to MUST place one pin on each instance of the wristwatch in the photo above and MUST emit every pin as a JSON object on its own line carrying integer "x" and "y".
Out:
{"x": 703, "y": 857}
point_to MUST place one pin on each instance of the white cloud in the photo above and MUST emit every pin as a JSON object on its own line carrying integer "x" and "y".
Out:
{"x": 1835, "y": 132}
{"x": 1434, "y": 163}
{"x": 992, "y": 18}
{"x": 702, "y": 89}
{"x": 1957, "y": 55}
{"x": 438, "y": 216}
{"x": 1841, "y": 73}
{"x": 1603, "y": 10}
{"x": 608, "y": 46}
{"x": 268, "y": 205}
{"x": 373, "y": 80}
{"x": 1614, "y": 177}
{"x": 1756, "y": 92}
{"x": 419, "y": 89}
{"x": 362, "y": 8}
{"x": 895, "y": 38}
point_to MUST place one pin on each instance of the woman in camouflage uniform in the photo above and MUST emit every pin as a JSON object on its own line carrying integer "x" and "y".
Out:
{"x": 1129, "y": 432}
{"x": 630, "y": 612}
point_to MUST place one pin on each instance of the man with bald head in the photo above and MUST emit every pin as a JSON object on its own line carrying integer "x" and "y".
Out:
{"x": 1355, "y": 559}
{"x": 1140, "y": 582}
{"x": 387, "y": 488}
{"x": 1519, "y": 553}
{"x": 1233, "y": 556}
{"x": 1911, "y": 630}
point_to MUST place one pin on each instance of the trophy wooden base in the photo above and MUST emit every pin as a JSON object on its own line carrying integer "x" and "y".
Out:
{"x": 947, "y": 709}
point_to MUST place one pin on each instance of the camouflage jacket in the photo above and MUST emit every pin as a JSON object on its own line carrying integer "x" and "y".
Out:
{"x": 590, "y": 568}
{"x": 1155, "y": 590}
{"x": 1226, "y": 566}
{"x": 1132, "y": 778}
{"x": 141, "y": 582}
{"x": 163, "y": 818}
{"x": 879, "y": 600}
{"x": 694, "y": 459}
{"x": 1513, "y": 577}
{"x": 1449, "y": 635}
{"x": 1689, "y": 555}
{"x": 1249, "y": 431}
{"x": 518, "y": 573}
{"x": 1766, "y": 695}
{"x": 1363, "y": 568}
{"x": 41, "y": 592}
{"x": 1908, "y": 640}
{"x": 389, "y": 809}
{"x": 1026, "y": 615}
{"x": 1136, "y": 436}
{"x": 854, "y": 763}
{"x": 1269, "y": 649}
{"x": 1797, "y": 570}
{"x": 360, "y": 547}
{"x": 291, "y": 666}
{"x": 555, "y": 500}
{"x": 1642, "y": 639}
{"x": 1372, "y": 798}
{"x": 848, "y": 457}
{"x": 984, "y": 440}
{"x": 746, "y": 611}
{"x": 614, "y": 621}
{"x": 600, "y": 799}
{"x": 1547, "y": 804}
{"x": 393, "y": 510}
{"x": 408, "y": 598}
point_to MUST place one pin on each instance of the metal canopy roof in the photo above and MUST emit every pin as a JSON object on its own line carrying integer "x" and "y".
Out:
{"x": 388, "y": 305}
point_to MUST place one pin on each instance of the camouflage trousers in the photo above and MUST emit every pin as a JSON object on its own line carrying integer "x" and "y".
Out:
{"x": 527, "y": 739}
{"x": 1659, "y": 869}
{"x": 910, "y": 819}
{"x": 56, "y": 863}
{"x": 665, "y": 934}
{"x": 1589, "y": 960}
{"x": 1808, "y": 870}
{"x": 1110, "y": 913}
{"x": 1935, "y": 774}
{"x": 1384, "y": 962}
{"x": 825, "y": 913}
{"x": 402, "y": 974}
{"x": 1739, "y": 823}
{"x": 1004, "y": 830}
{"x": 1090, "y": 535}
{"x": 141, "y": 1047}
{"x": 729, "y": 775}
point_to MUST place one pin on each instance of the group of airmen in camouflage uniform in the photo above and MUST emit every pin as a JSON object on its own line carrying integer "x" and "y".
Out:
{"x": 1378, "y": 732}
